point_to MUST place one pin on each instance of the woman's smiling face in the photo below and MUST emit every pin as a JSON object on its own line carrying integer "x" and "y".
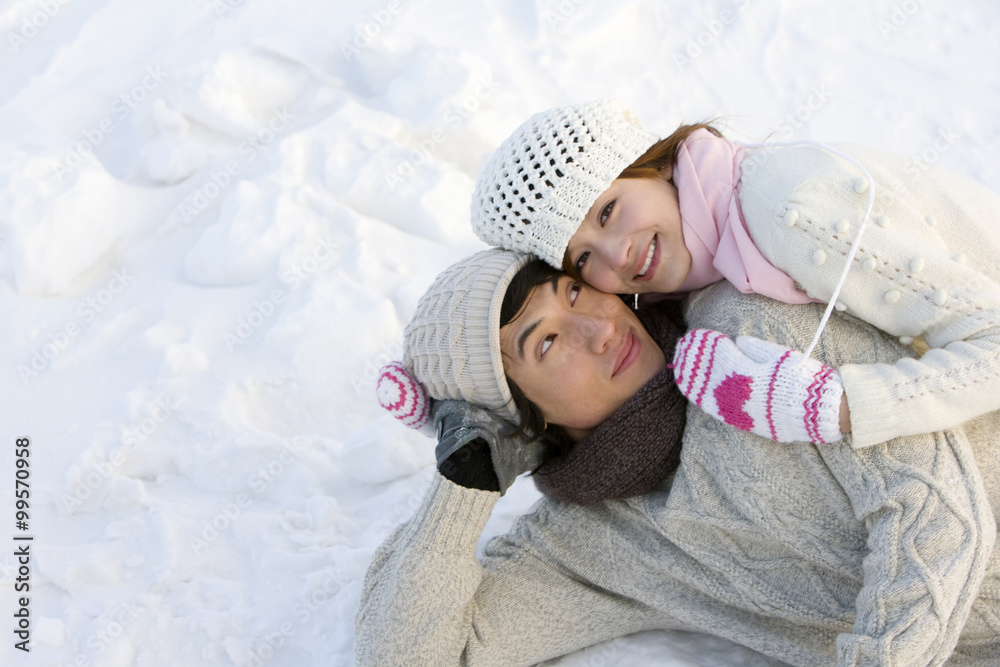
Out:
{"x": 631, "y": 240}
{"x": 577, "y": 353}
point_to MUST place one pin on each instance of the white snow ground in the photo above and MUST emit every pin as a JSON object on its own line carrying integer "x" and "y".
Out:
{"x": 217, "y": 215}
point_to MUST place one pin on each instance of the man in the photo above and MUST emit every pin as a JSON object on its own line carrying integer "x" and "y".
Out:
{"x": 812, "y": 555}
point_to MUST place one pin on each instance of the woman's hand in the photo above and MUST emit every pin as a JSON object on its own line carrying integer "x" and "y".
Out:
{"x": 845, "y": 415}
{"x": 760, "y": 387}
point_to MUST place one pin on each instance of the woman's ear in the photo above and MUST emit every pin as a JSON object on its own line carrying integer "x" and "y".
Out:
{"x": 668, "y": 172}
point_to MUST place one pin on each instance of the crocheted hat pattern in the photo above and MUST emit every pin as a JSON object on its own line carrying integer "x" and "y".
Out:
{"x": 536, "y": 188}
{"x": 452, "y": 344}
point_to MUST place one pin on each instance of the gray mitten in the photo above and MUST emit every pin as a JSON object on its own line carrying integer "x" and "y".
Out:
{"x": 467, "y": 462}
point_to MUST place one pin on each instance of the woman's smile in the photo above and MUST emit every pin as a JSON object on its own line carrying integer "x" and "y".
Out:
{"x": 649, "y": 267}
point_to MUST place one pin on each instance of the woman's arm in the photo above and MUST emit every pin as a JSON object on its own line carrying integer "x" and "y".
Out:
{"x": 927, "y": 266}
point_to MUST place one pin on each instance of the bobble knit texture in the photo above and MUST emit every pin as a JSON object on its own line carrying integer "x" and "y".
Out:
{"x": 536, "y": 188}
{"x": 906, "y": 279}
{"x": 452, "y": 343}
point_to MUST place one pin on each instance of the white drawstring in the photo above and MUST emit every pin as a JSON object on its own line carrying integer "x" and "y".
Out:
{"x": 857, "y": 241}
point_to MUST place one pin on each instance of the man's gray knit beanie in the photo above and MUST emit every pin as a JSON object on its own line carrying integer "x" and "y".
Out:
{"x": 536, "y": 188}
{"x": 452, "y": 344}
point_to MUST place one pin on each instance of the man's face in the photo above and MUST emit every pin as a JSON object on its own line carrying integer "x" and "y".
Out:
{"x": 577, "y": 353}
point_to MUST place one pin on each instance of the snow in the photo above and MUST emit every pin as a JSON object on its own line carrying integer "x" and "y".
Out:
{"x": 216, "y": 217}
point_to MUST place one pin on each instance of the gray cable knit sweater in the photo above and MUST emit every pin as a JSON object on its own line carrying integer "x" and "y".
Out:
{"x": 813, "y": 555}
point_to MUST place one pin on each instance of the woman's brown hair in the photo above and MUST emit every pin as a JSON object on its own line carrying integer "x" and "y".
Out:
{"x": 657, "y": 157}
{"x": 663, "y": 153}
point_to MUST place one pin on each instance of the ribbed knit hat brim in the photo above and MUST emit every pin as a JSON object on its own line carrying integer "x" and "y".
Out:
{"x": 452, "y": 343}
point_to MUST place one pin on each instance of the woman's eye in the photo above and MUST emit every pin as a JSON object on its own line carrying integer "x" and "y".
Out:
{"x": 574, "y": 291}
{"x": 581, "y": 260}
{"x": 605, "y": 212}
{"x": 547, "y": 342}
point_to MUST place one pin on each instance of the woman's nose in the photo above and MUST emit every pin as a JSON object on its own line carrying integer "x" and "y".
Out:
{"x": 617, "y": 253}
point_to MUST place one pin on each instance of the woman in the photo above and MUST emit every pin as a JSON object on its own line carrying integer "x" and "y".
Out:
{"x": 586, "y": 188}
{"x": 809, "y": 555}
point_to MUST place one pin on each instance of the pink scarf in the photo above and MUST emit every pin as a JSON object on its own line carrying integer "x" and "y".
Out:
{"x": 707, "y": 175}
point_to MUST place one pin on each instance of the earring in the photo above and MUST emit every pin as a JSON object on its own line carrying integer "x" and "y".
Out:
{"x": 635, "y": 303}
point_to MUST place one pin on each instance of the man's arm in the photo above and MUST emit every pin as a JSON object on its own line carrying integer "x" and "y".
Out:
{"x": 427, "y": 599}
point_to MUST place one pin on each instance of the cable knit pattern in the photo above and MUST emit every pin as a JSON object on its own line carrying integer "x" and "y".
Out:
{"x": 928, "y": 266}
{"x": 810, "y": 555}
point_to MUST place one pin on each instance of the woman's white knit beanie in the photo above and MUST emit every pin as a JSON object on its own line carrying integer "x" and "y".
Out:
{"x": 534, "y": 191}
{"x": 452, "y": 344}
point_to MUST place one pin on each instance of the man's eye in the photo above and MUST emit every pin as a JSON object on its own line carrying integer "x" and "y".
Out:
{"x": 574, "y": 291}
{"x": 605, "y": 212}
{"x": 580, "y": 261}
{"x": 547, "y": 342}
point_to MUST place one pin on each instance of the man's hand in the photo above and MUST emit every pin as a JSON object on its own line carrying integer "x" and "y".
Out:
{"x": 475, "y": 446}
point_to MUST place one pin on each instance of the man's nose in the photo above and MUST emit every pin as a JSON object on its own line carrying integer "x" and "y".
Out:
{"x": 594, "y": 331}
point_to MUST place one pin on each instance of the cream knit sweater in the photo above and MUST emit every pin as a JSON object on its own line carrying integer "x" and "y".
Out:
{"x": 928, "y": 265}
{"x": 811, "y": 555}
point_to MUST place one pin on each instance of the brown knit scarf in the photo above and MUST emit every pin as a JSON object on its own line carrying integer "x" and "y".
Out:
{"x": 639, "y": 446}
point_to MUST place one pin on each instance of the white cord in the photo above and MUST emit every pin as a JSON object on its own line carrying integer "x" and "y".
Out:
{"x": 857, "y": 241}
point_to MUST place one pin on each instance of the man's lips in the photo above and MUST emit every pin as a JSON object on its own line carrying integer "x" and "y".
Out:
{"x": 627, "y": 354}
{"x": 655, "y": 262}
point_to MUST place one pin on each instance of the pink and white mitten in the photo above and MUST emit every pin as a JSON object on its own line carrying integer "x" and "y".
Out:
{"x": 759, "y": 386}
{"x": 404, "y": 397}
